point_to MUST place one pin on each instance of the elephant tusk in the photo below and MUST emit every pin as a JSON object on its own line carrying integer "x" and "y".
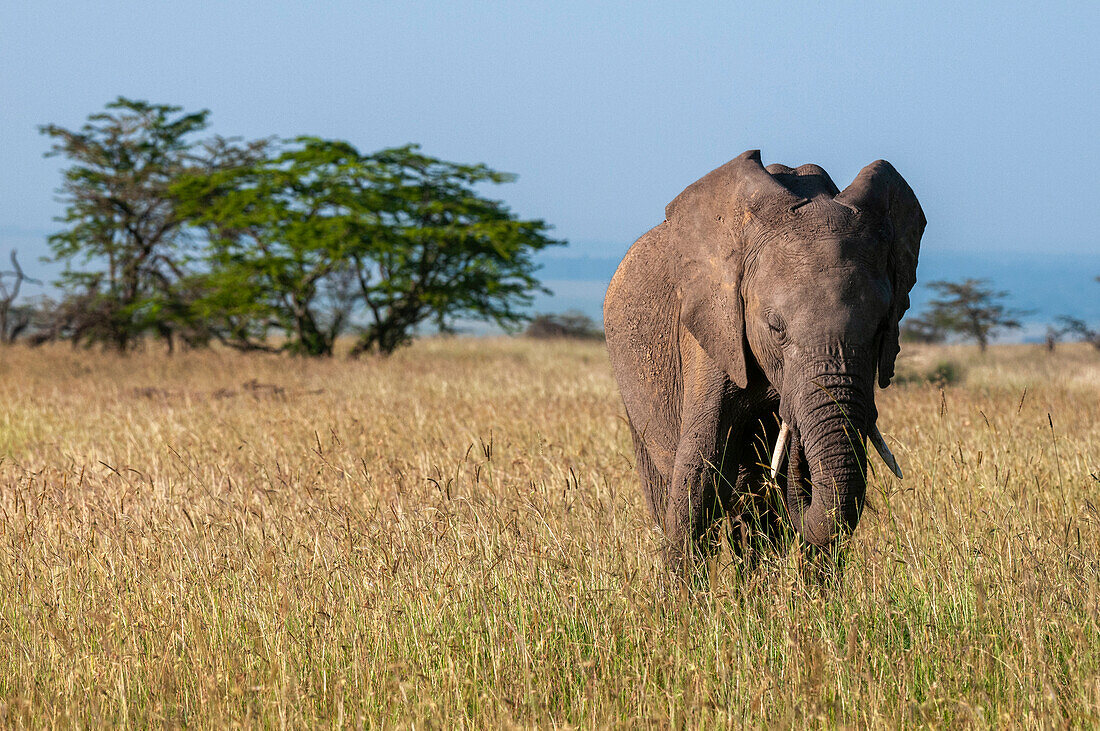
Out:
{"x": 883, "y": 451}
{"x": 780, "y": 448}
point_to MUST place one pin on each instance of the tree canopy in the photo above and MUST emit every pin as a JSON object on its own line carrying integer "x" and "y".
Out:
{"x": 170, "y": 235}
{"x": 324, "y": 239}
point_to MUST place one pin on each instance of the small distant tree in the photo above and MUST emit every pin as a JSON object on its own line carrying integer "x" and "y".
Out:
{"x": 14, "y": 319}
{"x": 124, "y": 247}
{"x": 569, "y": 324}
{"x": 1050, "y": 340}
{"x": 972, "y": 309}
{"x": 1080, "y": 329}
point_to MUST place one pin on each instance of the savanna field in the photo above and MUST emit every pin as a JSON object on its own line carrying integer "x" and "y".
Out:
{"x": 455, "y": 536}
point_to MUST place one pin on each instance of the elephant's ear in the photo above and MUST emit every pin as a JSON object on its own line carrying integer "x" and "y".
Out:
{"x": 709, "y": 227}
{"x": 881, "y": 192}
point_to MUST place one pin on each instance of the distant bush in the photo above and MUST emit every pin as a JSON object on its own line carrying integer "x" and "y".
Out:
{"x": 942, "y": 373}
{"x": 570, "y": 324}
{"x": 945, "y": 373}
{"x": 923, "y": 329}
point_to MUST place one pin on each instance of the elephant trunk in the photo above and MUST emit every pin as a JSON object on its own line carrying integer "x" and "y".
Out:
{"x": 827, "y": 466}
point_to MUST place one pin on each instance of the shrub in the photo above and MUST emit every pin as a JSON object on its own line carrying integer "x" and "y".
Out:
{"x": 945, "y": 373}
{"x": 570, "y": 324}
{"x": 942, "y": 373}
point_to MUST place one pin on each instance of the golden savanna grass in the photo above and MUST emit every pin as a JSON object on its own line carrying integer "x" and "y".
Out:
{"x": 455, "y": 536}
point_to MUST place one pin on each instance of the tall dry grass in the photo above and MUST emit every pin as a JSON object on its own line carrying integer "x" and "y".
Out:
{"x": 455, "y": 536}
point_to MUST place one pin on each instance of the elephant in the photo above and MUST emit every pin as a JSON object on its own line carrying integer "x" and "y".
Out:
{"x": 758, "y": 313}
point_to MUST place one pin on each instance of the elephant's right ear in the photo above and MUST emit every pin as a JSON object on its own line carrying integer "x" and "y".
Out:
{"x": 709, "y": 227}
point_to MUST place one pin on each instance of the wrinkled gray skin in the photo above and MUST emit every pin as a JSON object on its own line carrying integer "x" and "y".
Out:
{"x": 765, "y": 294}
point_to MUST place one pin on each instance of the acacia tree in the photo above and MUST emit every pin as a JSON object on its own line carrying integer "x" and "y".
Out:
{"x": 971, "y": 308}
{"x": 1080, "y": 329}
{"x": 124, "y": 247}
{"x": 323, "y": 240}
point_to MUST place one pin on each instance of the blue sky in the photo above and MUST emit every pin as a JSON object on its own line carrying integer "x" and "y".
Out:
{"x": 605, "y": 110}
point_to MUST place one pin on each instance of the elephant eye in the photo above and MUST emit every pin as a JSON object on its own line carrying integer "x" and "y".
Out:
{"x": 775, "y": 323}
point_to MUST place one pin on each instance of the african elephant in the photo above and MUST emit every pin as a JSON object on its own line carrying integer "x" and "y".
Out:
{"x": 756, "y": 314}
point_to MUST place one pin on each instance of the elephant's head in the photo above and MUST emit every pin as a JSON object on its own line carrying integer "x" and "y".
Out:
{"x": 783, "y": 276}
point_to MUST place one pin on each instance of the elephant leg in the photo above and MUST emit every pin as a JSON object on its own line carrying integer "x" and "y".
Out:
{"x": 694, "y": 492}
{"x": 654, "y": 484}
{"x": 761, "y": 503}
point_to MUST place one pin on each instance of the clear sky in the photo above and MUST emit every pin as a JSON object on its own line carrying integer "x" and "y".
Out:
{"x": 605, "y": 110}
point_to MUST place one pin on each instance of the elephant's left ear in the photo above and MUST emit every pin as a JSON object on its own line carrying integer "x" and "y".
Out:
{"x": 881, "y": 192}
